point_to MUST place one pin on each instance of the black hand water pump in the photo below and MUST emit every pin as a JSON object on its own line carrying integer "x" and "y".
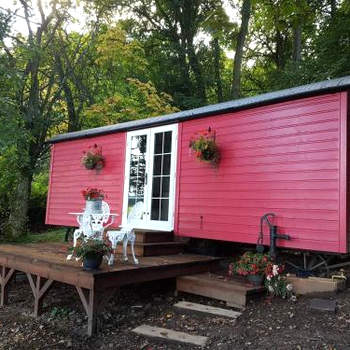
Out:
{"x": 273, "y": 235}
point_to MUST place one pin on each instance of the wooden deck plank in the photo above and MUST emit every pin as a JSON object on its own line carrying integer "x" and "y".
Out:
{"x": 49, "y": 261}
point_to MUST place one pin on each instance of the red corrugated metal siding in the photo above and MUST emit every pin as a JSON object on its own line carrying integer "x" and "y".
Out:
{"x": 283, "y": 158}
{"x": 68, "y": 177}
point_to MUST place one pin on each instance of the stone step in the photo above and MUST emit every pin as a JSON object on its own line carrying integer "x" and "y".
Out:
{"x": 235, "y": 292}
{"x": 151, "y": 236}
{"x": 170, "y": 335}
{"x": 206, "y": 309}
{"x": 154, "y": 249}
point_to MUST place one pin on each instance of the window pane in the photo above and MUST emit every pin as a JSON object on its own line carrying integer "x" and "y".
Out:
{"x": 156, "y": 187}
{"x": 164, "y": 210}
{"x": 157, "y": 166}
{"x": 166, "y": 164}
{"x": 131, "y": 203}
{"x": 167, "y": 142}
{"x": 155, "y": 209}
{"x": 165, "y": 186}
{"x": 158, "y": 143}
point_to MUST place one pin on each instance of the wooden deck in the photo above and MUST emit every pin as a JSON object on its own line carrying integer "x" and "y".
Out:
{"x": 45, "y": 263}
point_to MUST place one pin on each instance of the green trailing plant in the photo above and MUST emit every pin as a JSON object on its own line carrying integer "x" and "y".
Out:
{"x": 203, "y": 144}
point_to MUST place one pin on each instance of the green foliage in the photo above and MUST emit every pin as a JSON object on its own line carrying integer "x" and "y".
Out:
{"x": 140, "y": 100}
{"x": 60, "y": 312}
{"x": 53, "y": 235}
{"x": 92, "y": 248}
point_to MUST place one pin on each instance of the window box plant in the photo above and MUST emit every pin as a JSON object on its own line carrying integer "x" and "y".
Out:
{"x": 252, "y": 265}
{"x": 92, "y": 252}
{"x": 204, "y": 147}
{"x": 93, "y": 199}
{"x": 93, "y": 158}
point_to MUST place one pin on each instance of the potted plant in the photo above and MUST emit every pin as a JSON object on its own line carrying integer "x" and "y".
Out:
{"x": 93, "y": 199}
{"x": 252, "y": 265}
{"x": 92, "y": 252}
{"x": 93, "y": 158}
{"x": 204, "y": 147}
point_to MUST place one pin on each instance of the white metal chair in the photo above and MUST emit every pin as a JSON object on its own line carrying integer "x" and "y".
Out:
{"x": 126, "y": 234}
{"x": 91, "y": 225}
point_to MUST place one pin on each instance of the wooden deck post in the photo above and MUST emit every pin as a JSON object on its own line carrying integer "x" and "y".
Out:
{"x": 6, "y": 275}
{"x": 39, "y": 289}
{"x": 93, "y": 303}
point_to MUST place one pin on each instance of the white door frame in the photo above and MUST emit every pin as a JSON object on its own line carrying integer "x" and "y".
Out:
{"x": 146, "y": 222}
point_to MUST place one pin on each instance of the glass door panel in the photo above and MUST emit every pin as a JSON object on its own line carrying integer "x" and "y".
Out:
{"x": 137, "y": 172}
{"x": 161, "y": 176}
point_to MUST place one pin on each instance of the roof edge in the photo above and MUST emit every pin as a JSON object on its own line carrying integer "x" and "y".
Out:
{"x": 333, "y": 85}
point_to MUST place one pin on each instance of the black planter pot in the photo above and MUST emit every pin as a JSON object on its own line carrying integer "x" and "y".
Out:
{"x": 256, "y": 280}
{"x": 92, "y": 262}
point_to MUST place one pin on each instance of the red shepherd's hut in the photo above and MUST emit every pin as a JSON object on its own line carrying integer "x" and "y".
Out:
{"x": 283, "y": 152}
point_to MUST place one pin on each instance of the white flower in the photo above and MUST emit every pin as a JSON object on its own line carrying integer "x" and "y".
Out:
{"x": 268, "y": 278}
{"x": 293, "y": 298}
{"x": 289, "y": 287}
{"x": 275, "y": 270}
{"x": 270, "y": 289}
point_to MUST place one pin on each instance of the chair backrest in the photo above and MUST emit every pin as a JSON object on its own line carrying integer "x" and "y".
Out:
{"x": 135, "y": 213}
{"x": 106, "y": 211}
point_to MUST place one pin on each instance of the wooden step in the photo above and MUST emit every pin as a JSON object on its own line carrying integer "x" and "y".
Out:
{"x": 194, "y": 308}
{"x": 170, "y": 335}
{"x": 150, "y": 236}
{"x": 154, "y": 249}
{"x": 235, "y": 292}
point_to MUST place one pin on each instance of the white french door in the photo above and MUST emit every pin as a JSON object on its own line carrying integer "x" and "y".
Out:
{"x": 150, "y": 173}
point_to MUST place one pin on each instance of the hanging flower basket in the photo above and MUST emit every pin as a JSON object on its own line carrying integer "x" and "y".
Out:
{"x": 93, "y": 158}
{"x": 204, "y": 147}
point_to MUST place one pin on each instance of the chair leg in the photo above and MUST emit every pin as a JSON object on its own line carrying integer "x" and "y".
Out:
{"x": 132, "y": 244}
{"x": 125, "y": 246}
{"x": 76, "y": 235}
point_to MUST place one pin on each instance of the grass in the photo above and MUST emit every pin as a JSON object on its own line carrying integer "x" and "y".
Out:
{"x": 54, "y": 235}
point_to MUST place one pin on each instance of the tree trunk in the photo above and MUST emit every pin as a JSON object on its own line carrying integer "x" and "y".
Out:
{"x": 193, "y": 59}
{"x": 297, "y": 43}
{"x": 279, "y": 59}
{"x": 18, "y": 220}
{"x": 216, "y": 49}
{"x": 333, "y": 4}
{"x": 237, "y": 66}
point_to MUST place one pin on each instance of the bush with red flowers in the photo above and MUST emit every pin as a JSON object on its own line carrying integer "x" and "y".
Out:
{"x": 91, "y": 194}
{"x": 250, "y": 263}
{"x": 93, "y": 158}
{"x": 204, "y": 147}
